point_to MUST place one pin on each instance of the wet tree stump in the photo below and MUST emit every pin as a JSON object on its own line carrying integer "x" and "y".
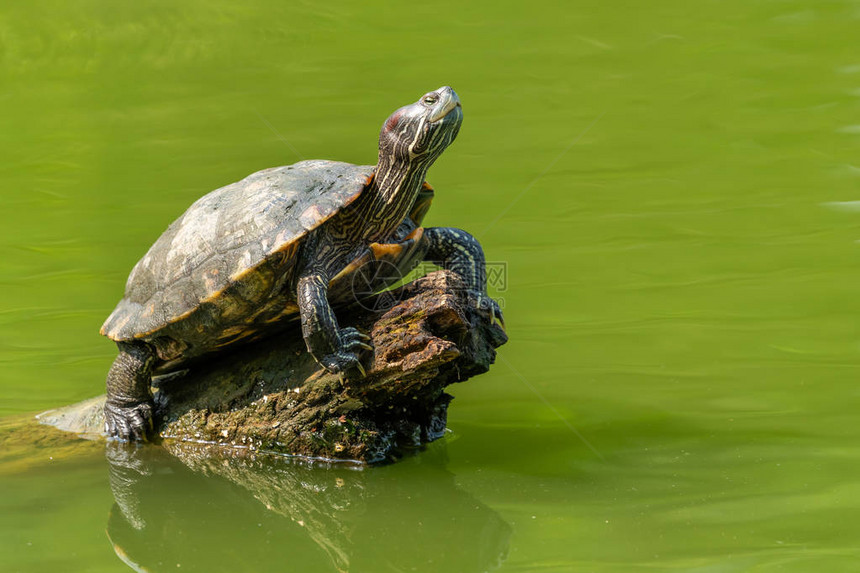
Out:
{"x": 273, "y": 396}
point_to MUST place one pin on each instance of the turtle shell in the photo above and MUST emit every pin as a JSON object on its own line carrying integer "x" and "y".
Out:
{"x": 227, "y": 258}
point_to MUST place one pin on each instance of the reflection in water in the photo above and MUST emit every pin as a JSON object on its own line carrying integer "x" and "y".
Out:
{"x": 187, "y": 506}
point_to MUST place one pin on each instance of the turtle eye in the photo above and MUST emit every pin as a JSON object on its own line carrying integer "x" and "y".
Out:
{"x": 430, "y": 99}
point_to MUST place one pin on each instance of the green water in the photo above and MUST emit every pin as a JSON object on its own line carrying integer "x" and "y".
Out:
{"x": 674, "y": 188}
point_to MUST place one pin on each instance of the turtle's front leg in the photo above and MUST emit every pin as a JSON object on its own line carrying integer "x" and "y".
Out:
{"x": 128, "y": 408}
{"x": 461, "y": 253}
{"x": 335, "y": 348}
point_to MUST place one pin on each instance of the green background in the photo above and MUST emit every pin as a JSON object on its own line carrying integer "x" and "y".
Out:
{"x": 674, "y": 188}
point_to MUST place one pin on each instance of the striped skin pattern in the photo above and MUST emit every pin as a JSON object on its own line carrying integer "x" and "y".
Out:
{"x": 280, "y": 244}
{"x": 461, "y": 253}
{"x": 410, "y": 141}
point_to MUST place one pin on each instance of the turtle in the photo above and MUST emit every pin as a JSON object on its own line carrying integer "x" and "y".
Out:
{"x": 283, "y": 244}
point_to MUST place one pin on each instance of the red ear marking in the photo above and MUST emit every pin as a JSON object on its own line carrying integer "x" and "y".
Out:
{"x": 392, "y": 121}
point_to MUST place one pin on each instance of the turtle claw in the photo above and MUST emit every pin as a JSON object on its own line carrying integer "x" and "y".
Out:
{"x": 499, "y": 317}
{"x": 345, "y": 362}
{"x": 129, "y": 423}
{"x": 353, "y": 339}
{"x": 345, "y": 365}
{"x": 490, "y": 308}
{"x": 352, "y": 374}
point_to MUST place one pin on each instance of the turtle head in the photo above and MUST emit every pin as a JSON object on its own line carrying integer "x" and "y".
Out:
{"x": 420, "y": 132}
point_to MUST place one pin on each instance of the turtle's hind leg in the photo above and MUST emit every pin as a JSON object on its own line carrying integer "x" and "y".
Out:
{"x": 128, "y": 408}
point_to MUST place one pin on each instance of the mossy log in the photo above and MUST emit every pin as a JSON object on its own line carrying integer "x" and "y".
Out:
{"x": 273, "y": 396}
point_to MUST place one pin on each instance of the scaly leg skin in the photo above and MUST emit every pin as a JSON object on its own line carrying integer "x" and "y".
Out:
{"x": 461, "y": 253}
{"x": 336, "y": 349}
{"x": 128, "y": 408}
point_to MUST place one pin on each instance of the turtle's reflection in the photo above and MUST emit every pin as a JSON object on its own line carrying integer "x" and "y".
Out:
{"x": 178, "y": 506}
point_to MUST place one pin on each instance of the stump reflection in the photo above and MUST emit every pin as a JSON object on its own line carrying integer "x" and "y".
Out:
{"x": 198, "y": 509}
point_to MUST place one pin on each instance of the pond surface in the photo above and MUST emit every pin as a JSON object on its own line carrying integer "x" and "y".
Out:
{"x": 671, "y": 188}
